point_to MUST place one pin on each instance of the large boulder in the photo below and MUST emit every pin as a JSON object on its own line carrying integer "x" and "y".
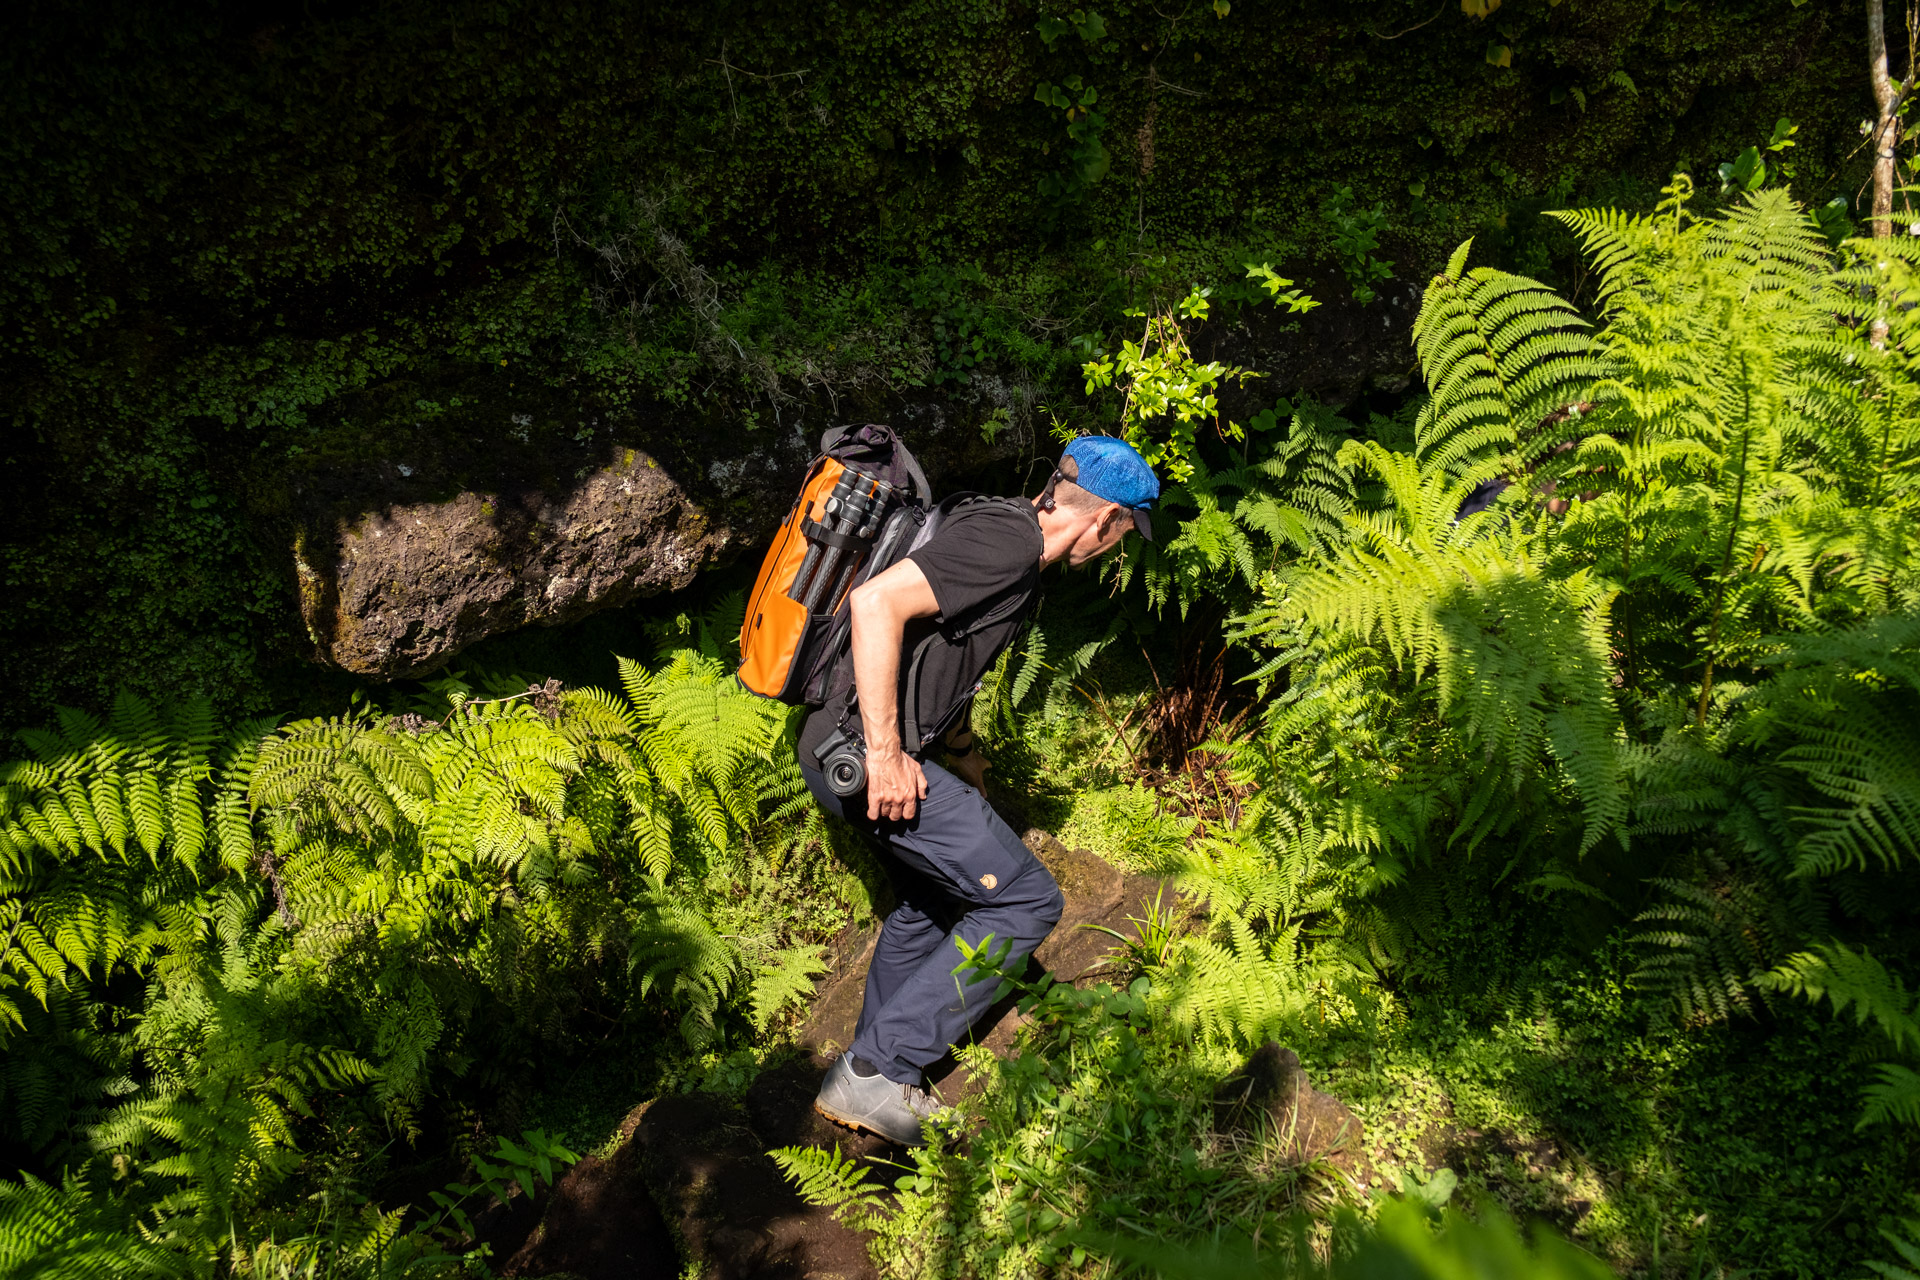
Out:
{"x": 405, "y": 587}
{"x": 404, "y": 559}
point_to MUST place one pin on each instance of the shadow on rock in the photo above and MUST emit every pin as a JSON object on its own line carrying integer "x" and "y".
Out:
{"x": 1272, "y": 1091}
{"x": 600, "y": 1224}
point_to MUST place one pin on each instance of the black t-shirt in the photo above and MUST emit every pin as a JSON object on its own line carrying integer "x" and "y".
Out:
{"x": 983, "y": 563}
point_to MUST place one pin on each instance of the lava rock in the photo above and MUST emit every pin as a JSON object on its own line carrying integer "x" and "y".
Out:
{"x": 736, "y": 1216}
{"x": 1273, "y": 1089}
{"x": 409, "y": 586}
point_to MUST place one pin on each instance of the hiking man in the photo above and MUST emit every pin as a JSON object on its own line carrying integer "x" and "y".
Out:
{"x": 924, "y": 632}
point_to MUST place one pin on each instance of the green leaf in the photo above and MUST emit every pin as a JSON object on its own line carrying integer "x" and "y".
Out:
{"x": 1096, "y": 163}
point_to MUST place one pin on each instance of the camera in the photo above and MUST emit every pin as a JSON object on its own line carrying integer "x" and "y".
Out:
{"x": 843, "y": 760}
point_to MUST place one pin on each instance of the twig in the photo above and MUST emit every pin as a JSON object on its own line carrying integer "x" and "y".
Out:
{"x": 1153, "y": 671}
{"x": 1127, "y": 720}
{"x": 1213, "y": 778}
{"x": 733, "y": 103}
{"x": 1099, "y": 706}
{"x": 1155, "y": 79}
{"x": 1415, "y": 27}
{"x": 769, "y": 77}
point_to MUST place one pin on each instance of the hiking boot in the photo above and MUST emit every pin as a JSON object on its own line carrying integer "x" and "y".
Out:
{"x": 874, "y": 1103}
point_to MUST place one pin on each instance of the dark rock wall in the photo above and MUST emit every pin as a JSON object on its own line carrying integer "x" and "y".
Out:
{"x": 278, "y": 278}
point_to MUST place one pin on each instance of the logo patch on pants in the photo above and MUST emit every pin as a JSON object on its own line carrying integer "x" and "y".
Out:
{"x": 990, "y": 881}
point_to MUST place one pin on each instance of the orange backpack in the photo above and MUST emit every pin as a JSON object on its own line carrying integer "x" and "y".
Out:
{"x": 857, "y": 504}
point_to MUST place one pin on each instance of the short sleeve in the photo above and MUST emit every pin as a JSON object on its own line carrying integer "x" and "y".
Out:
{"x": 978, "y": 555}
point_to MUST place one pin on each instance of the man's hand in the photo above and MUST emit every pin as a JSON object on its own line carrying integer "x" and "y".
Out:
{"x": 970, "y": 769}
{"x": 895, "y": 784}
{"x": 881, "y": 608}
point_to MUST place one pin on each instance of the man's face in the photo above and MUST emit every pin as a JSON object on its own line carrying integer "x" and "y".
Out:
{"x": 1107, "y": 531}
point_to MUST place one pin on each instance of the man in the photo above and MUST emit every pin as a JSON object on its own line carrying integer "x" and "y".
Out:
{"x": 958, "y": 871}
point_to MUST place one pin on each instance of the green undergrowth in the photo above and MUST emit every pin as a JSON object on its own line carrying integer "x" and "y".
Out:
{"x": 1726, "y": 1149}
{"x": 1564, "y": 1099}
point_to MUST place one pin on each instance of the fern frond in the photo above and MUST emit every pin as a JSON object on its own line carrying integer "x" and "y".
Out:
{"x": 784, "y": 978}
{"x": 1500, "y": 353}
{"x": 677, "y": 950}
{"x": 74, "y": 1231}
{"x": 1895, "y": 1096}
{"x": 834, "y": 1182}
{"x": 1852, "y": 979}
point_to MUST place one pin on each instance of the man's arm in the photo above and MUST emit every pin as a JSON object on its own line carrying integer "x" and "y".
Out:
{"x": 881, "y": 609}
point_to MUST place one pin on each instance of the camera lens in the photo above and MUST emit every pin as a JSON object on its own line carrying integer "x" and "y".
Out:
{"x": 846, "y": 774}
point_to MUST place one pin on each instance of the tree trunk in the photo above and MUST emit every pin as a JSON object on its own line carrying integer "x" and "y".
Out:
{"x": 1884, "y": 125}
{"x": 1885, "y": 135}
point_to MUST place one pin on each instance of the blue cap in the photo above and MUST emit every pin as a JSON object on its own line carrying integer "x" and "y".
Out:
{"x": 1111, "y": 469}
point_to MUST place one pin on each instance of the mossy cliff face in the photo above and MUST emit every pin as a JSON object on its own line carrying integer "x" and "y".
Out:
{"x": 257, "y": 263}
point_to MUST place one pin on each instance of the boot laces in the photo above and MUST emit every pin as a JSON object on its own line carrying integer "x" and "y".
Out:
{"x": 919, "y": 1101}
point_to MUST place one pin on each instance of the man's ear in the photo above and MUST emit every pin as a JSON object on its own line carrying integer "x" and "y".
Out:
{"x": 1113, "y": 515}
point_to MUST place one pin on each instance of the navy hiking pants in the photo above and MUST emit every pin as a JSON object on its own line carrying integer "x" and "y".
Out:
{"x": 957, "y": 871}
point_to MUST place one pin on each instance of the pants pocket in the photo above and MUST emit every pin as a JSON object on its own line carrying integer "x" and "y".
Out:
{"x": 965, "y": 839}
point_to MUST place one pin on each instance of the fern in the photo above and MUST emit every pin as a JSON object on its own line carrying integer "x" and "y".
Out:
{"x": 1242, "y": 989}
{"x": 833, "y": 1182}
{"x": 703, "y": 741}
{"x": 1856, "y": 980}
{"x": 1853, "y": 980}
{"x": 72, "y": 1232}
{"x": 1716, "y": 941}
{"x": 316, "y": 909}
{"x": 676, "y": 950}
{"x": 784, "y": 978}
{"x": 1501, "y": 354}
{"x": 1904, "y": 1235}
{"x": 1856, "y": 697}
{"x": 1519, "y": 657}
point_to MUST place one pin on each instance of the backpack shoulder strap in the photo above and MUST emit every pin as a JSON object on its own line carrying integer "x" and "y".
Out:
{"x": 914, "y": 473}
{"x": 910, "y": 732}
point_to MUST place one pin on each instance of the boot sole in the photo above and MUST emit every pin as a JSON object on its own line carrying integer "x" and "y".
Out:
{"x": 861, "y": 1126}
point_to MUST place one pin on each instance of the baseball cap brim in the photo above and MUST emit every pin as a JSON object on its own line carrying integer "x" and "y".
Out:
{"x": 1144, "y": 525}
